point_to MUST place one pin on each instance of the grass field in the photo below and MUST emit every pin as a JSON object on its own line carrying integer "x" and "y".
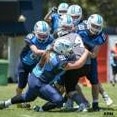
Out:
{"x": 9, "y": 91}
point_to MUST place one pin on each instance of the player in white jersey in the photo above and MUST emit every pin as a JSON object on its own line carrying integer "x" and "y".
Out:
{"x": 79, "y": 49}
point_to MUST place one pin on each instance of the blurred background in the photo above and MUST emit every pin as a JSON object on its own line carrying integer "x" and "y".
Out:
{"x": 17, "y": 18}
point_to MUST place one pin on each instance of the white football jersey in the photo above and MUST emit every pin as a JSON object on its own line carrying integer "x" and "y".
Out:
{"x": 78, "y": 47}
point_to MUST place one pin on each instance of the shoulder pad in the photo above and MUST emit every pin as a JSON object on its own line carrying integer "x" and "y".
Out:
{"x": 30, "y": 36}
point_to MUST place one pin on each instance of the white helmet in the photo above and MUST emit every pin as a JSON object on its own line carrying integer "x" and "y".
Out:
{"x": 62, "y": 8}
{"x": 42, "y": 30}
{"x": 76, "y": 12}
{"x": 66, "y": 22}
{"x": 62, "y": 46}
{"x": 95, "y": 24}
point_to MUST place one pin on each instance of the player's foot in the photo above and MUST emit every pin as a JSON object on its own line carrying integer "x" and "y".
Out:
{"x": 108, "y": 100}
{"x": 37, "y": 108}
{"x": 2, "y": 105}
{"x": 87, "y": 105}
{"x": 69, "y": 104}
{"x": 82, "y": 108}
{"x": 95, "y": 106}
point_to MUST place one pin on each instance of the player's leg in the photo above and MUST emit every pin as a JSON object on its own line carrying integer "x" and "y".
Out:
{"x": 93, "y": 78}
{"x": 54, "y": 98}
{"x": 94, "y": 75}
{"x": 30, "y": 94}
{"x": 60, "y": 85}
{"x": 114, "y": 72}
{"x": 79, "y": 90}
{"x": 71, "y": 79}
{"x": 22, "y": 73}
{"x": 105, "y": 96}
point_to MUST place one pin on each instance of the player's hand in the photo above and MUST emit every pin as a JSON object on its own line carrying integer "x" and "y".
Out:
{"x": 54, "y": 9}
{"x": 68, "y": 66}
{"x": 42, "y": 52}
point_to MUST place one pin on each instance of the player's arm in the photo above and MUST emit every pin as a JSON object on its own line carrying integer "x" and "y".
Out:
{"x": 48, "y": 17}
{"x": 36, "y": 51}
{"x": 29, "y": 41}
{"x": 95, "y": 51}
{"x": 78, "y": 63}
{"x": 101, "y": 40}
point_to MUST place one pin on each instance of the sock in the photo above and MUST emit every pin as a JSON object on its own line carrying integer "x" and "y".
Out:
{"x": 95, "y": 101}
{"x": 8, "y": 103}
{"x": 104, "y": 95}
{"x": 41, "y": 109}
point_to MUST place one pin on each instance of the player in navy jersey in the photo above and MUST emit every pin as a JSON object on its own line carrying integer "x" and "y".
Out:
{"x": 51, "y": 64}
{"x": 93, "y": 38}
{"x": 54, "y": 15}
{"x": 36, "y": 44}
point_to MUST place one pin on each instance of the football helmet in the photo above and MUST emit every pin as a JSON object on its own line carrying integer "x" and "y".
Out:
{"x": 76, "y": 12}
{"x": 63, "y": 46}
{"x": 95, "y": 24}
{"x": 62, "y": 8}
{"x": 66, "y": 22}
{"x": 42, "y": 30}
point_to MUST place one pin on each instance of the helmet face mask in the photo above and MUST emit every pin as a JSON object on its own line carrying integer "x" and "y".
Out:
{"x": 95, "y": 24}
{"x": 42, "y": 37}
{"x": 76, "y": 19}
{"x": 95, "y": 29}
{"x": 42, "y": 30}
{"x": 66, "y": 23}
{"x": 67, "y": 28}
{"x": 62, "y": 8}
{"x": 62, "y": 12}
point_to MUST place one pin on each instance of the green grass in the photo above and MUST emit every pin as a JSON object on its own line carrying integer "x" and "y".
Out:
{"x": 8, "y": 91}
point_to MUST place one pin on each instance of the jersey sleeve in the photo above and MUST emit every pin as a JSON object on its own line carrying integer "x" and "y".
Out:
{"x": 62, "y": 61}
{"x": 101, "y": 39}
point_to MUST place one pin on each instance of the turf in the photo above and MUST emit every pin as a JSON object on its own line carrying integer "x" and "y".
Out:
{"x": 8, "y": 91}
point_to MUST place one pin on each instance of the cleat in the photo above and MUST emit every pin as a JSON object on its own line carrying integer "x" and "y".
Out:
{"x": 87, "y": 104}
{"x": 37, "y": 108}
{"x": 2, "y": 105}
{"x": 108, "y": 101}
{"x": 95, "y": 107}
{"x": 68, "y": 105}
{"x": 82, "y": 108}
